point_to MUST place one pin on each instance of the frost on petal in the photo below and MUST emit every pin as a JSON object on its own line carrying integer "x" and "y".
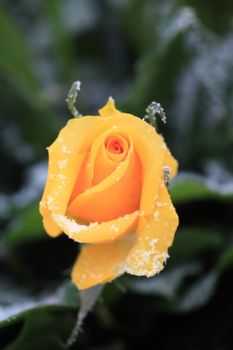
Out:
{"x": 95, "y": 232}
{"x": 101, "y": 263}
{"x": 65, "y": 158}
{"x": 155, "y": 236}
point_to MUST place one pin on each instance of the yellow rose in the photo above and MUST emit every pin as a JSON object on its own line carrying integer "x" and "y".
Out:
{"x": 105, "y": 188}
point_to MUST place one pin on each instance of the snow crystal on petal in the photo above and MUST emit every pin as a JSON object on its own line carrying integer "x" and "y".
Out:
{"x": 69, "y": 226}
{"x": 114, "y": 228}
{"x": 156, "y": 215}
{"x": 62, "y": 163}
{"x": 65, "y": 149}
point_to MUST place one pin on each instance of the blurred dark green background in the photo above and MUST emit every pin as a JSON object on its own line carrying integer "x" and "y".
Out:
{"x": 179, "y": 53}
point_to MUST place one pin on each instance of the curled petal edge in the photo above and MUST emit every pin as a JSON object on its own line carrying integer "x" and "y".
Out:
{"x": 97, "y": 232}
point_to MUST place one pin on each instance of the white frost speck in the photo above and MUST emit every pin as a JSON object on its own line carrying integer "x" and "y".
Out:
{"x": 65, "y": 149}
{"x": 71, "y": 227}
{"x": 153, "y": 242}
{"x": 160, "y": 204}
{"x": 114, "y": 228}
{"x": 50, "y": 200}
{"x": 156, "y": 215}
{"x": 62, "y": 163}
{"x": 42, "y": 204}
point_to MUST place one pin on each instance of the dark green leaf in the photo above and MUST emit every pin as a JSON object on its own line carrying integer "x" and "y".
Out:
{"x": 166, "y": 284}
{"x": 16, "y": 302}
{"x": 199, "y": 293}
{"x": 26, "y": 227}
{"x": 17, "y": 67}
{"x": 64, "y": 55}
{"x": 192, "y": 241}
{"x": 190, "y": 187}
{"x": 43, "y": 329}
{"x": 226, "y": 259}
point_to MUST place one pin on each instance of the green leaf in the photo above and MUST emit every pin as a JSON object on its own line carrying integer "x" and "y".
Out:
{"x": 199, "y": 293}
{"x": 166, "y": 284}
{"x": 26, "y": 227}
{"x": 192, "y": 241}
{"x": 61, "y": 42}
{"x": 15, "y": 61}
{"x": 23, "y": 98}
{"x": 43, "y": 329}
{"x": 191, "y": 187}
{"x": 226, "y": 259}
{"x": 17, "y": 303}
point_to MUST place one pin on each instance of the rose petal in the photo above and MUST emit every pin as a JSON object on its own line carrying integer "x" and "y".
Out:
{"x": 109, "y": 108}
{"x": 96, "y": 167}
{"x": 50, "y": 226}
{"x": 101, "y": 263}
{"x": 66, "y": 155}
{"x": 150, "y": 148}
{"x": 142, "y": 254}
{"x": 103, "y": 166}
{"x": 155, "y": 236}
{"x": 94, "y": 232}
{"x": 117, "y": 195}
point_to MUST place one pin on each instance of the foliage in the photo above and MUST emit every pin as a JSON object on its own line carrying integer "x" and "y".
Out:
{"x": 178, "y": 53}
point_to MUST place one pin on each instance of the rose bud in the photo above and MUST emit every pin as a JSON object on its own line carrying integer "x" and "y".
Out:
{"x": 105, "y": 189}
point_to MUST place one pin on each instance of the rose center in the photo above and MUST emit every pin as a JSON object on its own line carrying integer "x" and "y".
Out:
{"x": 114, "y": 145}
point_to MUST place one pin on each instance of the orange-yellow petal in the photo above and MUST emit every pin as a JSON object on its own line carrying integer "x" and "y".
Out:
{"x": 66, "y": 155}
{"x": 142, "y": 255}
{"x": 155, "y": 236}
{"x": 100, "y": 263}
{"x": 117, "y": 195}
{"x": 97, "y": 165}
{"x": 102, "y": 166}
{"x": 150, "y": 148}
{"x": 53, "y": 169}
{"x": 50, "y": 226}
{"x": 97, "y": 233}
{"x": 109, "y": 108}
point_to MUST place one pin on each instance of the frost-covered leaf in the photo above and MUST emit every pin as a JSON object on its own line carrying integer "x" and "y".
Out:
{"x": 166, "y": 284}
{"x": 43, "y": 329}
{"x": 22, "y": 208}
{"x": 16, "y": 302}
{"x": 199, "y": 293}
